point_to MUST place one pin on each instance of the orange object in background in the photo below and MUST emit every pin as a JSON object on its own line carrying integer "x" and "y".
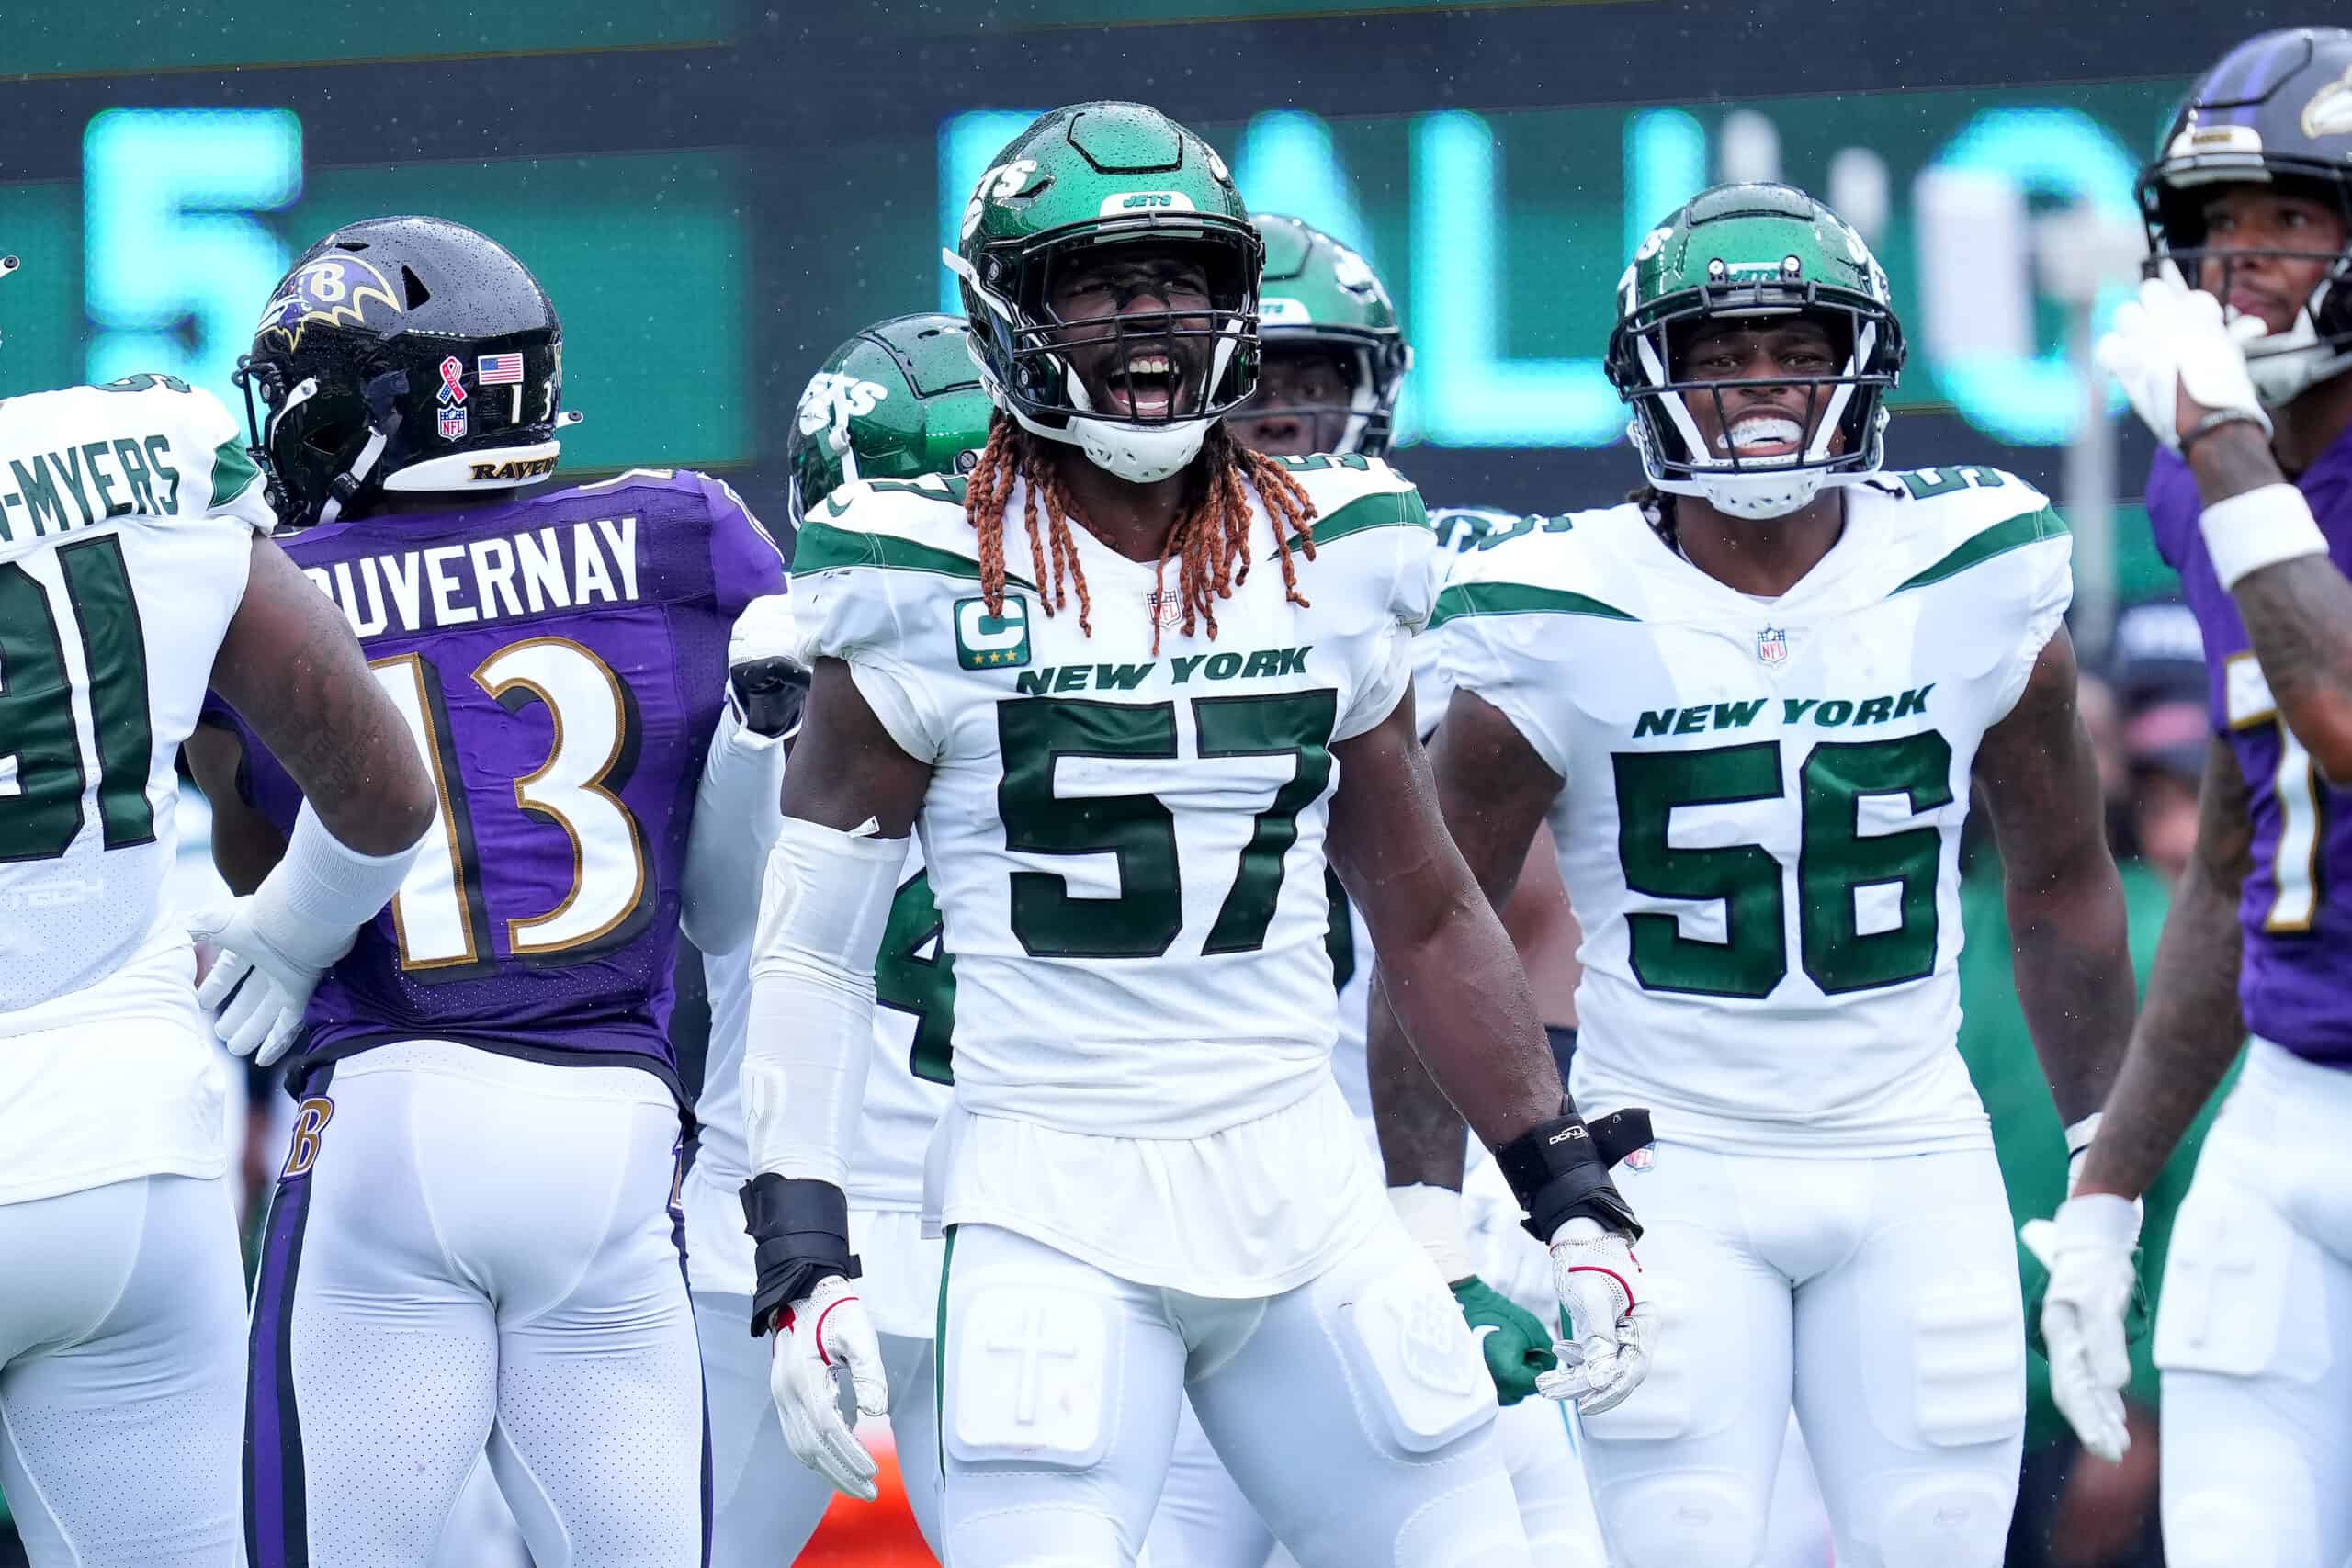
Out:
{"x": 880, "y": 1534}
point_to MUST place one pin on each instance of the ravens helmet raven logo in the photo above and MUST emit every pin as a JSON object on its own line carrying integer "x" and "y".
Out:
{"x": 331, "y": 289}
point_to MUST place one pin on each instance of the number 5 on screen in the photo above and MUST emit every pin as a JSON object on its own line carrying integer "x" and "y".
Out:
{"x": 169, "y": 235}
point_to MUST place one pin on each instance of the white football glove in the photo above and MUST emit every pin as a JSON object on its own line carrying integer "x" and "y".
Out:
{"x": 2088, "y": 1249}
{"x": 825, "y": 1330}
{"x": 1610, "y": 1319}
{"x": 2173, "y": 338}
{"x": 271, "y": 985}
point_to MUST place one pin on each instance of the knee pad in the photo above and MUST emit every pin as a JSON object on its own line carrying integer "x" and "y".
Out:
{"x": 1968, "y": 1364}
{"x": 2214, "y": 1527}
{"x": 1951, "y": 1519}
{"x": 1682, "y": 1519}
{"x": 2239, "y": 1489}
{"x": 1473, "y": 1526}
{"x": 1419, "y": 1358}
{"x": 1030, "y": 1372}
{"x": 1046, "y": 1536}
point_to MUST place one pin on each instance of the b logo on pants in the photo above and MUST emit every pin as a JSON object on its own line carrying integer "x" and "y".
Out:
{"x": 309, "y": 1123}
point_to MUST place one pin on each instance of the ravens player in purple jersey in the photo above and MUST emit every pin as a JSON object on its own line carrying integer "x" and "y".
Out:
{"x": 473, "y": 1239}
{"x": 2236, "y": 355}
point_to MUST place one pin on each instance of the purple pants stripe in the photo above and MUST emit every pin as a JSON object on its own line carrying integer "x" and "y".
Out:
{"x": 276, "y": 1527}
{"x": 685, "y": 1155}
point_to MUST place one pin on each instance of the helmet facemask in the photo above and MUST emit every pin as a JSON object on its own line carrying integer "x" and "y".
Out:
{"x": 1845, "y": 416}
{"x": 1363, "y": 420}
{"x": 1030, "y": 356}
{"x": 317, "y": 445}
{"x": 2318, "y": 344}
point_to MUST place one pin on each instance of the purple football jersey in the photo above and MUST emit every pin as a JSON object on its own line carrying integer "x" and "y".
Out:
{"x": 2295, "y": 984}
{"x": 562, "y": 659}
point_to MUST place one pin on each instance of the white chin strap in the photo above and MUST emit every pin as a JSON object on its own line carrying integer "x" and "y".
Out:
{"x": 494, "y": 468}
{"x": 2284, "y": 366}
{"x": 1139, "y": 454}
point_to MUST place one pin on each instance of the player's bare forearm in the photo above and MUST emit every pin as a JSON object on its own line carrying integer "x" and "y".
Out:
{"x": 293, "y": 670}
{"x": 1423, "y": 1140}
{"x": 2298, "y": 613}
{"x": 1454, "y": 1023}
{"x": 2071, "y": 951}
{"x": 2189, "y": 1027}
{"x": 2069, "y": 938}
{"x": 245, "y": 846}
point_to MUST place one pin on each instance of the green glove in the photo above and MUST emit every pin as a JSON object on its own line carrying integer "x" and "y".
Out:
{"x": 1516, "y": 1344}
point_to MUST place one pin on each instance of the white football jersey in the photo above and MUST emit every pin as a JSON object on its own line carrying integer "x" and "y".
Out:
{"x": 1760, "y": 828}
{"x": 1124, "y": 834}
{"x": 126, "y": 517}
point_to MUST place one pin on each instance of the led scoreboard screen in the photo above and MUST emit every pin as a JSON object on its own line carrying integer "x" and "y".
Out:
{"x": 716, "y": 194}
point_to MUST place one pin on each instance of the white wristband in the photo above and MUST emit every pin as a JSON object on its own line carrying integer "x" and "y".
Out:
{"x": 2261, "y": 527}
{"x": 322, "y": 891}
{"x": 2079, "y": 1135}
{"x": 1432, "y": 1217}
{"x": 2102, "y": 1219}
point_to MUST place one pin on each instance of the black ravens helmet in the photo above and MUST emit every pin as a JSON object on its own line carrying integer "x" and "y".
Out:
{"x": 401, "y": 353}
{"x": 2275, "y": 111}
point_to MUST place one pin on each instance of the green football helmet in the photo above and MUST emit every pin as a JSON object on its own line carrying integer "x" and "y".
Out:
{"x": 1078, "y": 180}
{"x": 900, "y": 399}
{"x": 1315, "y": 292}
{"x": 1743, "y": 252}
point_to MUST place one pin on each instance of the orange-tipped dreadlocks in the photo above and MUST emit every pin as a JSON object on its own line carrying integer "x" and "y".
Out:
{"x": 1208, "y": 540}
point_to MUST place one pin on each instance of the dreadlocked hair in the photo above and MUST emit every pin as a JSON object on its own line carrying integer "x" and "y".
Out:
{"x": 1209, "y": 544}
{"x": 1657, "y": 511}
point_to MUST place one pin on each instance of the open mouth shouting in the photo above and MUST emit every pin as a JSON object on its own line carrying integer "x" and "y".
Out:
{"x": 1762, "y": 437}
{"x": 1145, "y": 386}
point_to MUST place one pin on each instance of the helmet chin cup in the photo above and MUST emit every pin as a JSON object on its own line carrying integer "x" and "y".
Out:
{"x": 1140, "y": 455}
{"x": 1762, "y": 496}
{"x": 1758, "y": 495}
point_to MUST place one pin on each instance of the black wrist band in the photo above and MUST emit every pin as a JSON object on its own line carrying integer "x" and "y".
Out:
{"x": 1558, "y": 1176}
{"x": 2215, "y": 420}
{"x": 801, "y": 1231}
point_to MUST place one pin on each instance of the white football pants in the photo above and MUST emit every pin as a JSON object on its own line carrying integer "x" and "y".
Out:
{"x": 463, "y": 1248}
{"x": 1354, "y": 1411}
{"x": 2253, "y": 1332}
{"x": 122, "y": 1370}
{"x": 1880, "y": 1296}
{"x": 1204, "y": 1522}
{"x": 764, "y": 1504}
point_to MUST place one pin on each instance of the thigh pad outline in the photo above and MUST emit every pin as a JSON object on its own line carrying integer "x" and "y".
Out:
{"x": 1034, "y": 1370}
{"x": 1407, "y": 1340}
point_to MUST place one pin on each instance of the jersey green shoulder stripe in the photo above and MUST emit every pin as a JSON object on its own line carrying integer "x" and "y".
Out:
{"x": 232, "y": 473}
{"x": 1389, "y": 509}
{"x": 823, "y": 548}
{"x": 2028, "y": 528}
{"x": 1518, "y": 599}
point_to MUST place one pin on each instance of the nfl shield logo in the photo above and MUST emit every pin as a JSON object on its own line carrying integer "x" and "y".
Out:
{"x": 1773, "y": 644}
{"x": 1642, "y": 1158}
{"x": 453, "y": 424}
{"x": 1167, "y": 607}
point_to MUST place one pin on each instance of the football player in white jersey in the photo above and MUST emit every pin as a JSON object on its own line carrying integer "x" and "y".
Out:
{"x": 1130, "y": 761}
{"x": 135, "y": 566}
{"x": 899, "y": 400}
{"x": 1752, "y": 703}
{"x": 1332, "y": 359}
